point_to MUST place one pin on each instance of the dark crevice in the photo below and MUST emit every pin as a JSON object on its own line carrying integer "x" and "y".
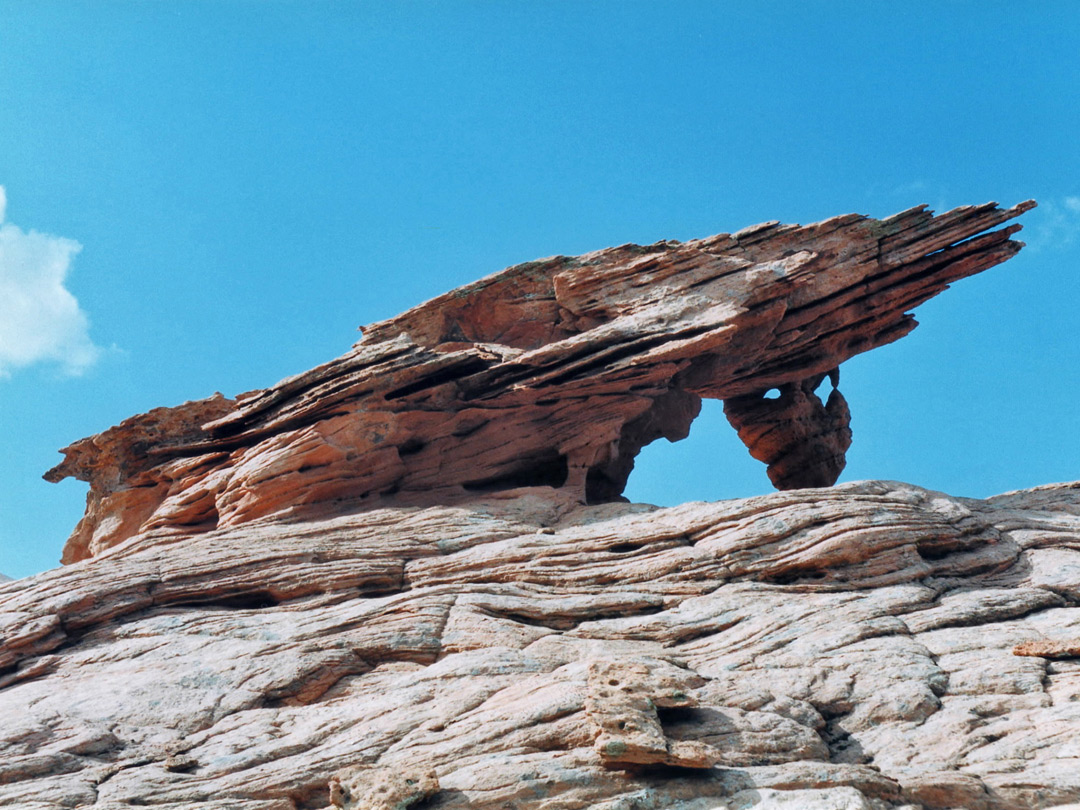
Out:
{"x": 426, "y": 803}
{"x": 249, "y": 436}
{"x": 613, "y": 354}
{"x": 671, "y": 715}
{"x": 658, "y": 543}
{"x": 694, "y": 634}
{"x": 938, "y": 548}
{"x": 573, "y": 365}
{"x": 378, "y": 591}
{"x": 411, "y": 446}
{"x": 791, "y": 576}
{"x": 666, "y": 773}
{"x": 549, "y": 471}
{"x": 558, "y": 624}
{"x": 626, "y": 610}
{"x": 486, "y": 386}
{"x": 257, "y": 600}
{"x": 626, "y": 548}
{"x": 602, "y": 487}
{"x": 843, "y": 747}
{"x": 134, "y": 763}
{"x": 562, "y": 623}
{"x": 468, "y": 366}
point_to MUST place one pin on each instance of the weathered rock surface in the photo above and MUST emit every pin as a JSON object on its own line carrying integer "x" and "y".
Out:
{"x": 404, "y": 580}
{"x": 849, "y": 647}
{"x": 554, "y": 372}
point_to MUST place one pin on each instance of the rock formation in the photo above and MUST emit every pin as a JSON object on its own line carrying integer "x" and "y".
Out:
{"x": 407, "y": 578}
{"x": 550, "y": 373}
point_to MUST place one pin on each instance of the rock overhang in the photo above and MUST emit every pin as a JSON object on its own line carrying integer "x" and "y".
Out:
{"x": 550, "y": 373}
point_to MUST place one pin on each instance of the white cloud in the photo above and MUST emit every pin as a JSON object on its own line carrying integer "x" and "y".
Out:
{"x": 1054, "y": 224}
{"x": 40, "y": 320}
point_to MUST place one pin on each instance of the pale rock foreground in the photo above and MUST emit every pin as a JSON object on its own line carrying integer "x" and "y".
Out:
{"x": 333, "y": 593}
{"x": 836, "y": 648}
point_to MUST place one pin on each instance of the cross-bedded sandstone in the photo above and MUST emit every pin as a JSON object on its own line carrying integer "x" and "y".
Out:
{"x": 555, "y": 372}
{"x": 847, "y": 648}
{"x": 376, "y": 585}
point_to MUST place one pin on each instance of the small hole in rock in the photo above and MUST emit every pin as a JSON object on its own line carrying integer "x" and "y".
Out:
{"x": 624, "y": 548}
{"x": 411, "y": 446}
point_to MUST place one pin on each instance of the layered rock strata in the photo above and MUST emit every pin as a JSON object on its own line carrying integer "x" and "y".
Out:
{"x": 406, "y": 579}
{"x": 849, "y": 647}
{"x": 554, "y": 372}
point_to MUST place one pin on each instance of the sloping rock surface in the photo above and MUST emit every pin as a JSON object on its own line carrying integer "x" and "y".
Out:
{"x": 850, "y": 647}
{"x": 406, "y": 579}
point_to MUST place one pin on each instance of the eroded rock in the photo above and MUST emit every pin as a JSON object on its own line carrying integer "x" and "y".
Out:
{"x": 383, "y": 789}
{"x": 551, "y": 373}
{"x": 624, "y": 696}
{"x": 803, "y": 442}
{"x": 858, "y": 637}
{"x": 377, "y": 585}
{"x": 1049, "y": 648}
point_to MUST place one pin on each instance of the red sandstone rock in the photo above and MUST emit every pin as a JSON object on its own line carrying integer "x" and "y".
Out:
{"x": 553, "y": 372}
{"x": 802, "y": 441}
{"x": 1049, "y": 648}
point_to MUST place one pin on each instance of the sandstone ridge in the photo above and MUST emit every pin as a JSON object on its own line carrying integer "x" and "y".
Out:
{"x": 406, "y": 578}
{"x": 554, "y": 372}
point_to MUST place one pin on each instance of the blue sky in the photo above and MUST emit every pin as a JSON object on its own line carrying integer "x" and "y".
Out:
{"x": 208, "y": 197}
